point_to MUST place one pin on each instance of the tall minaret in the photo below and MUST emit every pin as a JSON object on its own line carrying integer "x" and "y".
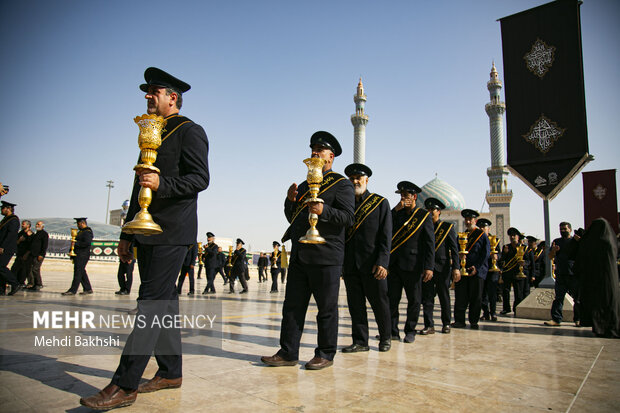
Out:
{"x": 498, "y": 196}
{"x": 359, "y": 121}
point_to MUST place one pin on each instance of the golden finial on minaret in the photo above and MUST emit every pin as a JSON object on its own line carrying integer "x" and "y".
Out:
{"x": 360, "y": 88}
{"x": 493, "y": 71}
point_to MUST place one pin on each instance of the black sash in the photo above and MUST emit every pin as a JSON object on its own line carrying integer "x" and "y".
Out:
{"x": 329, "y": 180}
{"x": 473, "y": 237}
{"x": 362, "y": 212}
{"x": 8, "y": 219}
{"x": 441, "y": 232}
{"x": 410, "y": 227}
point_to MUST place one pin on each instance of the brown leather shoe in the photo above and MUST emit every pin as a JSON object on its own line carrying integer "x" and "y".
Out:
{"x": 110, "y": 397}
{"x": 159, "y": 383}
{"x": 427, "y": 330}
{"x": 318, "y": 363}
{"x": 277, "y": 361}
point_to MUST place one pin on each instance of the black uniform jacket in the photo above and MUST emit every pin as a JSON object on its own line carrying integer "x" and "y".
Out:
{"x": 418, "y": 252}
{"x": 209, "y": 256}
{"x": 38, "y": 246}
{"x": 263, "y": 262}
{"x": 83, "y": 240}
{"x": 371, "y": 243}
{"x": 182, "y": 160}
{"x": 278, "y": 261}
{"x": 239, "y": 262}
{"x": 509, "y": 266}
{"x": 338, "y": 208}
{"x": 478, "y": 256}
{"x": 9, "y": 227}
{"x": 190, "y": 258}
{"x": 447, "y": 255}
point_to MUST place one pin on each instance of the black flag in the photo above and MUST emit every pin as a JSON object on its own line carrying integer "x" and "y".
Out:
{"x": 547, "y": 138}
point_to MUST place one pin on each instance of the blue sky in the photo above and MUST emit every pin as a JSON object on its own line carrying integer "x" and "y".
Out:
{"x": 265, "y": 75}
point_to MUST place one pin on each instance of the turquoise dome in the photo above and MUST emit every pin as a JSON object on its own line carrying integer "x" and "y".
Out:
{"x": 452, "y": 199}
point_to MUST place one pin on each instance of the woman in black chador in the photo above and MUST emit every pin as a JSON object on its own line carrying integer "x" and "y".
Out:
{"x": 599, "y": 291}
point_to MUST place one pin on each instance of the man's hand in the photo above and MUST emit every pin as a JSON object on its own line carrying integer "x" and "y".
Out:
{"x": 1, "y": 250}
{"x": 125, "y": 253}
{"x": 472, "y": 270}
{"x": 379, "y": 272}
{"x": 400, "y": 205}
{"x": 428, "y": 274}
{"x": 149, "y": 179}
{"x": 315, "y": 207}
{"x": 292, "y": 193}
{"x": 40, "y": 258}
{"x": 456, "y": 275}
{"x": 554, "y": 247}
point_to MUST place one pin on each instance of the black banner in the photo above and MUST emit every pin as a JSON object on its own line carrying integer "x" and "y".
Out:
{"x": 547, "y": 140}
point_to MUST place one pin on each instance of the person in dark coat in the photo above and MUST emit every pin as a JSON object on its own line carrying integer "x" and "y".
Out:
{"x": 182, "y": 160}
{"x": 468, "y": 289}
{"x": 23, "y": 258}
{"x": 539, "y": 260}
{"x": 491, "y": 283}
{"x": 366, "y": 260}
{"x": 221, "y": 265}
{"x": 9, "y": 227}
{"x": 276, "y": 265}
{"x": 263, "y": 262}
{"x": 446, "y": 268}
{"x": 510, "y": 271}
{"x": 412, "y": 257}
{"x": 187, "y": 269}
{"x": 315, "y": 269}
{"x": 239, "y": 267}
{"x": 211, "y": 261}
{"x": 563, "y": 251}
{"x": 38, "y": 249}
{"x": 598, "y": 271}
{"x": 81, "y": 248}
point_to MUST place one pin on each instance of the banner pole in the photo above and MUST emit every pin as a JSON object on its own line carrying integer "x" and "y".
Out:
{"x": 548, "y": 281}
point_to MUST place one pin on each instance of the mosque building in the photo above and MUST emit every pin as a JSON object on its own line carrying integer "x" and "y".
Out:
{"x": 498, "y": 197}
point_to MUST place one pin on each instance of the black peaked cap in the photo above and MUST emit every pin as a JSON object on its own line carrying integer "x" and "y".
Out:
{"x": 157, "y": 77}
{"x": 327, "y": 140}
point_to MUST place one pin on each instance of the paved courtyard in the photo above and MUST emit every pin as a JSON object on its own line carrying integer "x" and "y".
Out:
{"x": 513, "y": 365}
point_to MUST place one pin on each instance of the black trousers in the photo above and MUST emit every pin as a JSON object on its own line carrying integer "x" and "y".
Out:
{"x": 468, "y": 292}
{"x": 261, "y": 274}
{"x": 519, "y": 285}
{"x": 158, "y": 266}
{"x": 240, "y": 274}
{"x": 323, "y": 283}
{"x": 489, "y": 296}
{"x": 282, "y": 275}
{"x": 125, "y": 275}
{"x": 210, "y": 274}
{"x": 359, "y": 287}
{"x": 412, "y": 283}
{"x": 222, "y": 272}
{"x": 79, "y": 274}
{"x": 274, "y": 279}
{"x": 21, "y": 267}
{"x": 35, "y": 271}
{"x": 189, "y": 271}
{"x": 438, "y": 285}
{"x": 199, "y": 271}
{"x": 6, "y": 276}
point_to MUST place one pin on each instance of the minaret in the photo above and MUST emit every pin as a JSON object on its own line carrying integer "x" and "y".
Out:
{"x": 359, "y": 121}
{"x": 498, "y": 196}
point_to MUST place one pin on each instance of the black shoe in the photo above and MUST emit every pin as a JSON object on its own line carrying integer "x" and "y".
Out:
{"x": 394, "y": 337}
{"x": 457, "y": 324}
{"x": 385, "y": 345}
{"x": 474, "y": 326}
{"x": 244, "y": 292}
{"x": 34, "y": 288}
{"x": 119, "y": 292}
{"x": 485, "y": 317}
{"x": 493, "y": 317}
{"x": 190, "y": 293}
{"x": 355, "y": 348}
{"x": 15, "y": 288}
{"x": 409, "y": 338}
{"x": 504, "y": 312}
{"x": 88, "y": 292}
{"x": 445, "y": 330}
{"x": 205, "y": 292}
{"x": 68, "y": 292}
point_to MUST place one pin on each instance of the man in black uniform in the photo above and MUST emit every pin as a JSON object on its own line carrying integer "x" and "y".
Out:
{"x": 221, "y": 265}
{"x": 262, "y": 267}
{"x": 81, "y": 248}
{"x": 210, "y": 259}
{"x": 187, "y": 269}
{"x": 38, "y": 249}
{"x": 446, "y": 268}
{"x": 510, "y": 270}
{"x": 315, "y": 269}
{"x": 468, "y": 290}
{"x": 9, "y": 227}
{"x": 366, "y": 259}
{"x": 530, "y": 252}
{"x": 125, "y": 276}
{"x": 182, "y": 160}
{"x": 489, "y": 290}
{"x": 23, "y": 262}
{"x": 412, "y": 257}
{"x": 239, "y": 263}
{"x": 539, "y": 260}
{"x": 276, "y": 264}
